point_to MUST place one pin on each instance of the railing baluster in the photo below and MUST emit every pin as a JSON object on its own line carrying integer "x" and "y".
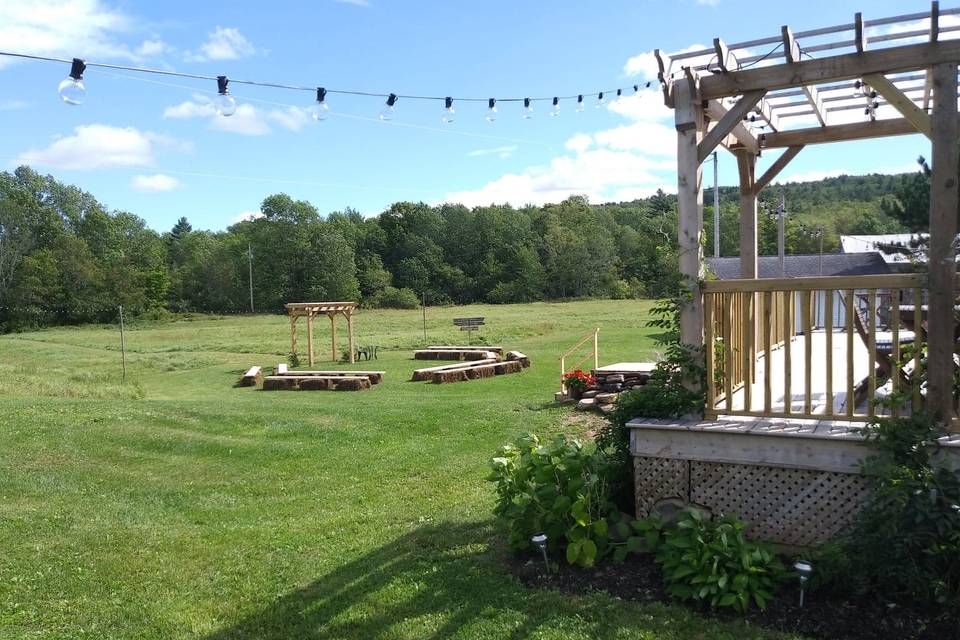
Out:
{"x": 728, "y": 350}
{"x": 828, "y": 332}
{"x": 788, "y": 322}
{"x": 807, "y": 352}
{"x": 895, "y": 347}
{"x": 851, "y": 392}
{"x": 872, "y": 348}
{"x": 747, "y": 346}
{"x": 918, "y": 331}
{"x": 711, "y": 404}
{"x": 767, "y": 312}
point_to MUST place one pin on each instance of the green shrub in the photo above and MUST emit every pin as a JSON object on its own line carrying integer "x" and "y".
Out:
{"x": 905, "y": 544}
{"x": 557, "y": 489}
{"x": 713, "y": 562}
{"x": 393, "y": 298}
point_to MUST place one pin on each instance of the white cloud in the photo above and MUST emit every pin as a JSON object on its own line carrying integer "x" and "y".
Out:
{"x": 502, "y": 152}
{"x": 246, "y": 215}
{"x": 813, "y": 176}
{"x": 579, "y": 142}
{"x": 154, "y": 47}
{"x": 63, "y": 28}
{"x": 248, "y": 120}
{"x": 155, "y": 183}
{"x": 223, "y": 43}
{"x": 13, "y": 105}
{"x": 99, "y": 146}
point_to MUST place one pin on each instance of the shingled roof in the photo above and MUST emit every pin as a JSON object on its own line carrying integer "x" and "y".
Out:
{"x": 804, "y": 266}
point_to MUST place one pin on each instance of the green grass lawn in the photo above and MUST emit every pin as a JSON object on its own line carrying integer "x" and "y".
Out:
{"x": 177, "y": 506}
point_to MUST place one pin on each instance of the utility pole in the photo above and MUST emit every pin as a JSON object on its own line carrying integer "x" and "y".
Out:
{"x": 123, "y": 348}
{"x": 250, "y": 273}
{"x": 424, "y": 307}
{"x": 716, "y": 209}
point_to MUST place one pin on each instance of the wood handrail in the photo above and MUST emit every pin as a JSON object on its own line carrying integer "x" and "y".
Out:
{"x": 881, "y": 281}
{"x": 580, "y": 344}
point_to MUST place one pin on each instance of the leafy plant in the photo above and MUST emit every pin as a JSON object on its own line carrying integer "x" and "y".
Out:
{"x": 578, "y": 380}
{"x": 293, "y": 359}
{"x": 713, "y": 562}
{"x": 557, "y": 489}
{"x": 905, "y": 544}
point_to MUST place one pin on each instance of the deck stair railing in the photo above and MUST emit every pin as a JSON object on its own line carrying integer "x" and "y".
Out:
{"x": 593, "y": 351}
{"x": 769, "y": 358}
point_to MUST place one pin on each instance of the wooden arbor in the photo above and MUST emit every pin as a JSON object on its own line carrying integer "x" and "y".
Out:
{"x": 894, "y": 76}
{"x": 329, "y": 309}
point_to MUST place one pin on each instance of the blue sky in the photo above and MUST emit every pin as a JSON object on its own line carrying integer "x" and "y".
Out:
{"x": 149, "y": 145}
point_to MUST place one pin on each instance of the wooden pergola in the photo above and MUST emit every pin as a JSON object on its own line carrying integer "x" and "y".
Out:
{"x": 329, "y": 309}
{"x": 864, "y": 79}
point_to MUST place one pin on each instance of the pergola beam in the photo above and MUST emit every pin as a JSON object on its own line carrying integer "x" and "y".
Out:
{"x": 778, "y": 165}
{"x": 728, "y": 122}
{"x": 791, "y": 50}
{"x": 837, "y": 133}
{"x": 842, "y": 67}
{"x": 895, "y": 97}
{"x": 934, "y": 36}
{"x": 716, "y": 111}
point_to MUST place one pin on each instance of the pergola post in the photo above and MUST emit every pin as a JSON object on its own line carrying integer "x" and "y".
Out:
{"x": 942, "y": 253}
{"x": 746, "y": 163}
{"x": 689, "y": 120}
{"x": 310, "y": 338}
{"x": 333, "y": 337}
{"x": 349, "y": 315}
{"x": 293, "y": 334}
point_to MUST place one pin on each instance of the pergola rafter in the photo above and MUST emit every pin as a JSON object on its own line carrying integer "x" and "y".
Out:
{"x": 730, "y": 96}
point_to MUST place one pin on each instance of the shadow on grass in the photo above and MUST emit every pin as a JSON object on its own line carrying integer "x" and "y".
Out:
{"x": 430, "y": 582}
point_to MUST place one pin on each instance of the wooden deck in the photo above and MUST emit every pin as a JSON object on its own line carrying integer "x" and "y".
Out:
{"x": 818, "y": 340}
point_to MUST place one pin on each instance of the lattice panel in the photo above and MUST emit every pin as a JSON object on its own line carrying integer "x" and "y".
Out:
{"x": 657, "y": 479}
{"x": 790, "y": 506}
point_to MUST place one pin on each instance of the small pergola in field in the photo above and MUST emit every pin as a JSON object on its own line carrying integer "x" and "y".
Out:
{"x": 895, "y": 76}
{"x": 329, "y": 309}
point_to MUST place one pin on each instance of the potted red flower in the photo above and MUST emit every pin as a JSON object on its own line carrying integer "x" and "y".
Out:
{"x": 576, "y": 382}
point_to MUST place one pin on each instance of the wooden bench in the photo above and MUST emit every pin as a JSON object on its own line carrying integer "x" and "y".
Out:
{"x": 473, "y": 373}
{"x": 376, "y": 377}
{"x": 251, "y": 378}
{"x": 523, "y": 359}
{"x": 419, "y": 375}
{"x": 498, "y": 350}
{"x": 453, "y": 354}
{"x": 315, "y": 383}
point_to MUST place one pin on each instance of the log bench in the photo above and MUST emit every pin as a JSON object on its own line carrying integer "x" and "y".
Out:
{"x": 463, "y": 374}
{"x": 315, "y": 383}
{"x": 453, "y": 354}
{"x": 522, "y": 358}
{"x": 419, "y": 375}
{"x": 376, "y": 377}
{"x": 251, "y": 378}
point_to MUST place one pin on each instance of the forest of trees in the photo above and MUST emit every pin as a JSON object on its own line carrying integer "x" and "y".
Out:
{"x": 65, "y": 258}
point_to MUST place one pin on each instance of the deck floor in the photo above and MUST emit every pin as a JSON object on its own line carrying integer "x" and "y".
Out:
{"x": 818, "y": 394}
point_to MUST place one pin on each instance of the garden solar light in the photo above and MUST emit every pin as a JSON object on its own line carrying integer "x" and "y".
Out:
{"x": 71, "y": 88}
{"x": 540, "y": 542}
{"x": 804, "y": 569}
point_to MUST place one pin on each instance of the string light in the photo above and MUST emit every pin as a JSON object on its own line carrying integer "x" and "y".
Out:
{"x": 448, "y": 112}
{"x": 527, "y": 109}
{"x": 225, "y": 103}
{"x": 619, "y": 95}
{"x": 320, "y": 110}
{"x": 71, "y": 89}
{"x": 388, "y": 109}
{"x": 491, "y": 110}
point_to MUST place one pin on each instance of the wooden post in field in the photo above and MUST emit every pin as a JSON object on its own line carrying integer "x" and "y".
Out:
{"x": 310, "y": 338}
{"x": 942, "y": 254}
{"x": 689, "y": 120}
{"x": 349, "y": 315}
{"x": 333, "y": 336}
{"x": 123, "y": 348}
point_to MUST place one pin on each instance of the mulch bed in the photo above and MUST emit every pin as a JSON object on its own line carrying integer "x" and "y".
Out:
{"x": 822, "y": 616}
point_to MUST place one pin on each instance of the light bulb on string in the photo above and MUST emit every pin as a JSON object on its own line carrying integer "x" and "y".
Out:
{"x": 448, "y": 112}
{"x": 491, "y": 110}
{"x": 858, "y": 89}
{"x": 636, "y": 89}
{"x": 527, "y": 109}
{"x": 388, "y": 109}
{"x": 225, "y": 104}
{"x": 619, "y": 95}
{"x": 555, "y": 111}
{"x": 599, "y": 100}
{"x": 319, "y": 110}
{"x": 580, "y": 103}
{"x": 71, "y": 89}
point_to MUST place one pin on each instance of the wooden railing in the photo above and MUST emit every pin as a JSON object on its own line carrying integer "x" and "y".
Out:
{"x": 594, "y": 351}
{"x": 803, "y": 347}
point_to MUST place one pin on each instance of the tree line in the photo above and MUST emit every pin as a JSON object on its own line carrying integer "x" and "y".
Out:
{"x": 65, "y": 258}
